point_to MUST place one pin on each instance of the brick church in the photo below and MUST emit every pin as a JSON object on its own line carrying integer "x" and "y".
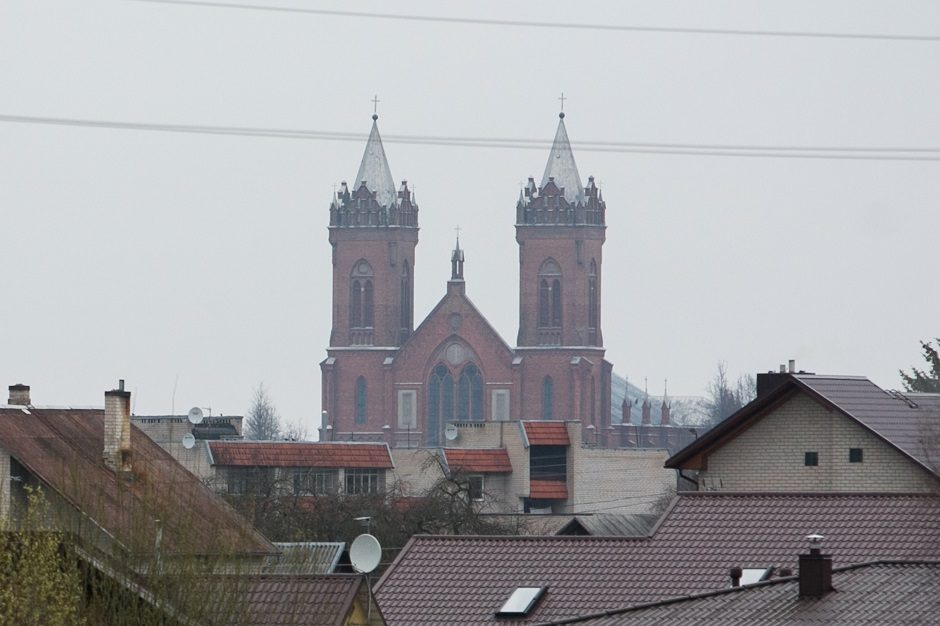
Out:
{"x": 385, "y": 378}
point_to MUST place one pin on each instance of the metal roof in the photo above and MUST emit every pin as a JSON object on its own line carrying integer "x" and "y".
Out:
{"x": 374, "y": 170}
{"x": 562, "y": 168}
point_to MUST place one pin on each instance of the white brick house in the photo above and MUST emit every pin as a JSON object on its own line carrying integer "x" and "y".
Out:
{"x": 812, "y": 433}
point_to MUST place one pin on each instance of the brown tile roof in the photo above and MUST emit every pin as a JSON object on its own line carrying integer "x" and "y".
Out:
{"x": 546, "y": 433}
{"x": 542, "y": 489}
{"x": 280, "y": 600}
{"x": 63, "y": 448}
{"x": 484, "y": 461}
{"x": 691, "y": 551}
{"x": 871, "y": 594}
{"x": 908, "y": 422}
{"x": 301, "y": 454}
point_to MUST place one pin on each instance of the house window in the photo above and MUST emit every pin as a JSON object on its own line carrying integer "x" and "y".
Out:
{"x": 855, "y": 455}
{"x": 314, "y": 481}
{"x": 548, "y": 398}
{"x": 475, "y": 488}
{"x": 364, "y": 481}
{"x": 811, "y": 459}
{"x": 500, "y": 410}
{"x": 407, "y": 414}
{"x": 548, "y": 463}
{"x": 361, "y": 400}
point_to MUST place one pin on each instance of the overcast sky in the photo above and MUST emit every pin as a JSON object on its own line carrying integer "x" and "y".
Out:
{"x": 201, "y": 262}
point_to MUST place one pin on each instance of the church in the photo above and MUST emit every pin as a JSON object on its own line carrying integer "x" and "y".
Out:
{"x": 387, "y": 379}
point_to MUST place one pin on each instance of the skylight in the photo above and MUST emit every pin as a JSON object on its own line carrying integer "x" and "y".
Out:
{"x": 751, "y": 575}
{"x": 521, "y": 602}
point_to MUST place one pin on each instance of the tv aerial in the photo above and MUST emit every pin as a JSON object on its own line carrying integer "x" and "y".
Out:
{"x": 189, "y": 441}
{"x": 451, "y": 432}
{"x": 365, "y": 553}
{"x": 195, "y": 415}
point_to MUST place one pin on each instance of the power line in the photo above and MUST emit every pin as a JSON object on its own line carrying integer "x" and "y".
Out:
{"x": 555, "y": 25}
{"x": 713, "y": 150}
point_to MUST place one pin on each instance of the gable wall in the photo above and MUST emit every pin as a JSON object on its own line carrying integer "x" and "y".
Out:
{"x": 769, "y": 456}
{"x": 4, "y": 484}
{"x": 618, "y": 480}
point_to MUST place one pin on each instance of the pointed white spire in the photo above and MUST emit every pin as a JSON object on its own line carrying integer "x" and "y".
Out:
{"x": 561, "y": 166}
{"x": 374, "y": 169}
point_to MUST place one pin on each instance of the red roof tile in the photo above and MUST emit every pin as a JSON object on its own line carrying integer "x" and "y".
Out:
{"x": 699, "y": 540}
{"x": 540, "y": 489}
{"x": 484, "y": 461}
{"x": 546, "y": 433}
{"x": 301, "y": 454}
{"x": 63, "y": 448}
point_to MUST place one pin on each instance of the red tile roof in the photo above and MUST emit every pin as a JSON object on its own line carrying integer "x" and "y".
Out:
{"x": 541, "y": 489}
{"x": 701, "y": 537}
{"x": 546, "y": 433}
{"x": 872, "y": 594}
{"x": 484, "y": 461}
{"x": 301, "y": 454}
{"x": 63, "y": 448}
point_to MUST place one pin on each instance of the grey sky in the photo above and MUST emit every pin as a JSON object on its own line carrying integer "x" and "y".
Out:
{"x": 146, "y": 255}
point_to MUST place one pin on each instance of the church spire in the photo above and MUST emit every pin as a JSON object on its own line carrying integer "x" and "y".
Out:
{"x": 374, "y": 171}
{"x": 561, "y": 167}
{"x": 456, "y": 260}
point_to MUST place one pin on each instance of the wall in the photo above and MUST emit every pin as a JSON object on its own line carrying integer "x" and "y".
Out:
{"x": 4, "y": 484}
{"x": 769, "y": 456}
{"x": 612, "y": 480}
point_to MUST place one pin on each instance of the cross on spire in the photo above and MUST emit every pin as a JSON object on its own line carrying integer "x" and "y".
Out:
{"x": 457, "y": 229}
{"x": 563, "y": 98}
{"x": 375, "y": 106}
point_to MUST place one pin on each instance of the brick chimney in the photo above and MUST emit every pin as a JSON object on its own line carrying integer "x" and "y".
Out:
{"x": 19, "y": 394}
{"x": 117, "y": 429}
{"x": 815, "y": 571}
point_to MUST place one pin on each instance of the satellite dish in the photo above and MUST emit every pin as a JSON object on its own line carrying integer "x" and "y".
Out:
{"x": 195, "y": 415}
{"x": 451, "y": 432}
{"x": 365, "y": 553}
{"x": 189, "y": 441}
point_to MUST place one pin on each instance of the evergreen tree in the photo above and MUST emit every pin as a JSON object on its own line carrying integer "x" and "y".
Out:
{"x": 924, "y": 380}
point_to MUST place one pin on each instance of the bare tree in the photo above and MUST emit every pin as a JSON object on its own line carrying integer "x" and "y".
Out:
{"x": 726, "y": 397}
{"x": 262, "y": 421}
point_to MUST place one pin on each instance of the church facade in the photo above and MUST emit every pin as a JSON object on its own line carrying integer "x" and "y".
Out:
{"x": 386, "y": 378}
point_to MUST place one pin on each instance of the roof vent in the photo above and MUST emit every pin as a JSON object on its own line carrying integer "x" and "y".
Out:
{"x": 521, "y": 602}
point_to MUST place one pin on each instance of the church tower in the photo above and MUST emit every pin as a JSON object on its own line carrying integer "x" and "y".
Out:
{"x": 373, "y": 233}
{"x": 560, "y": 229}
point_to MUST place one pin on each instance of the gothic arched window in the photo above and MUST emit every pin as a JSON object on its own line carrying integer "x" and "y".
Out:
{"x": 550, "y": 295}
{"x": 440, "y": 403}
{"x": 470, "y": 394}
{"x": 361, "y": 400}
{"x": 361, "y": 301}
{"x": 593, "y": 308}
{"x": 405, "y": 303}
{"x": 548, "y": 398}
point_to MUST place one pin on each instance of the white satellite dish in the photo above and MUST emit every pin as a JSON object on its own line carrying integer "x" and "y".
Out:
{"x": 189, "y": 441}
{"x": 365, "y": 553}
{"x": 195, "y": 415}
{"x": 451, "y": 433}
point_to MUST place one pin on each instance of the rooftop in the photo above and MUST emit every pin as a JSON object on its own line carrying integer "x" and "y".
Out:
{"x": 699, "y": 539}
{"x": 301, "y": 454}
{"x": 482, "y": 461}
{"x": 546, "y": 433}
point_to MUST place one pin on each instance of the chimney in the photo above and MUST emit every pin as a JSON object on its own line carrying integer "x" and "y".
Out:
{"x": 792, "y": 366}
{"x": 117, "y": 429}
{"x": 19, "y": 394}
{"x": 735, "y": 573}
{"x": 815, "y": 570}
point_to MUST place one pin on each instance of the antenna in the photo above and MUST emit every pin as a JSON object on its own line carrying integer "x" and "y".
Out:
{"x": 189, "y": 441}
{"x": 195, "y": 415}
{"x": 451, "y": 433}
{"x": 365, "y": 553}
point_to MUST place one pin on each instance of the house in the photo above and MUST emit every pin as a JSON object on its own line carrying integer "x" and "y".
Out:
{"x": 131, "y": 513}
{"x": 466, "y": 580}
{"x": 808, "y": 432}
{"x": 867, "y": 594}
{"x": 539, "y": 466}
{"x": 299, "y": 467}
